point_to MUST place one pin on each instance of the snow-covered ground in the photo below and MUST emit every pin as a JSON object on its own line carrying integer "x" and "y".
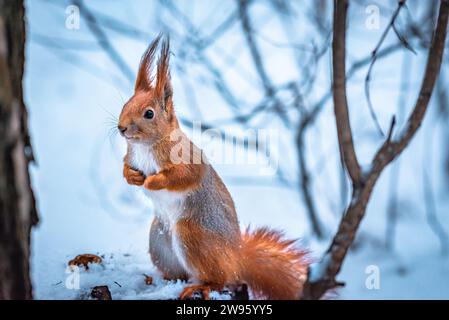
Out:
{"x": 85, "y": 205}
{"x": 123, "y": 273}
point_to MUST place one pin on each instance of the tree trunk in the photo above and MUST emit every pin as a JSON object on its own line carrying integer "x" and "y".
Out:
{"x": 17, "y": 209}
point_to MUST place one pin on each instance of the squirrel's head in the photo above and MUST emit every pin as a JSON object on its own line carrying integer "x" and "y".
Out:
{"x": 149, "y": 116}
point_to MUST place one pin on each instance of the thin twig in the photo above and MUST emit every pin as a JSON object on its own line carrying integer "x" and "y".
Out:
{"x": 103, "y": 40}
{"x": 320, "y": 281}
{"x": 401, "y": 4}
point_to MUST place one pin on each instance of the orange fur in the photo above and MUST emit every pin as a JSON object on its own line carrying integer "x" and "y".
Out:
{"x": 181, "y": 177}
{"x": 132, "y": 176}
{"x": 157, "y": 97}
{"x": 143, "y": 80}
{"x": 163, "y": 89}
{"x": 189, "y": 291}
{"x": 272, "y": 266}
{"x": 215, "y": 260}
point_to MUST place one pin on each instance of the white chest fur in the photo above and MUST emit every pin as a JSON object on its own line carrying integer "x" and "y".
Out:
{"x": 141, "y": 158}
{"x": 168, "y": 204}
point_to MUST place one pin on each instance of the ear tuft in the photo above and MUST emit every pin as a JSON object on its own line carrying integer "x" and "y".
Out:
{"x": 163, "y": 89}
{"x": 144, "y": 80}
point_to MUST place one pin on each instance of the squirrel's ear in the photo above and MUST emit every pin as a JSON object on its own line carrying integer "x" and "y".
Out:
{"x": 163, "y": 89}
{"x": 143, "y": 80}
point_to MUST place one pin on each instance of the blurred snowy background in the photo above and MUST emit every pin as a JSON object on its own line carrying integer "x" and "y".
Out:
{"x": 269, "y": 71}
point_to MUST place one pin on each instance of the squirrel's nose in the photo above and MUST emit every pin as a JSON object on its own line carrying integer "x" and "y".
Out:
{"x": 121, "y": 129}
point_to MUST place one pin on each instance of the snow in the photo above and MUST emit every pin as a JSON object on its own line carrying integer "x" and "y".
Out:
{"x": 422, "y": 275}
{"x": 123, "y": 273}
{"x": 85, "y": 205}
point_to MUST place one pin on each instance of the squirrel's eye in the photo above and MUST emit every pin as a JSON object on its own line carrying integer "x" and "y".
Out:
{"x": 149, "y": 114}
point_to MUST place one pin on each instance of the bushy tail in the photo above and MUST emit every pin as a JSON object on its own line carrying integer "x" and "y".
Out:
{"x": 272, "y": 266}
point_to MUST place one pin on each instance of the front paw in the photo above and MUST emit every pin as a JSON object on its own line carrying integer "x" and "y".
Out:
{"x": 154, "y": 182}
{"x": 133, "y": 177}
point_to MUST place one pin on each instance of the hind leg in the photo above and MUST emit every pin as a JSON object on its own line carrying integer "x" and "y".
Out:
{"x": 205, "y": 289}
{"x": 161, "y": 252}
{"x": 210, "y": 257}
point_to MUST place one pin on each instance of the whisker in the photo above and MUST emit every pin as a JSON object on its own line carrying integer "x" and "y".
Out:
{"x": 110, "y": 123}
{"x": 112, "y": 133}
{"x": 113, "y": 128}
{"x": 110, "y": 114}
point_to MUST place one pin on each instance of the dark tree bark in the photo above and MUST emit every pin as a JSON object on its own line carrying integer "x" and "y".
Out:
{"x": 17, "y": 208}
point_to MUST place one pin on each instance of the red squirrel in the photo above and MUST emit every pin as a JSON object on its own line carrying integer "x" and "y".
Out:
{"x": 195, "y": 233}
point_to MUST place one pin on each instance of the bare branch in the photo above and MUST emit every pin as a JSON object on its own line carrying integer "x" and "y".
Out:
{"x": 304, "y": 187}
{"x": 103, "y": 40}
{"x": 392, "y": 206}
{"x": 257, "y": 59}
{"x": 401, "y": 3}
{"x": 339, "y": 93}
{"x": 322, "y": 276}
